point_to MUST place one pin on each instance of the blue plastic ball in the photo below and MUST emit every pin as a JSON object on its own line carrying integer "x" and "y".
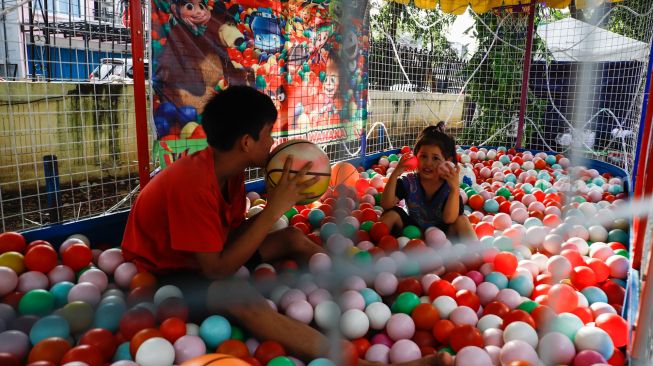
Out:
{"x": 49, "y": 326}
{"x": 370, "y": 296}
{"x": 215, "y": 330}
{"x": 594, "y": 294}
{"x": 498, "y": 279}
{"x": 162, "y": 126}
{"x": 315, "y": 217}
{"x": 522, "y": 284}
{"x": 187, "y": 114}
{"x": 527, "y": 187}
{"x": 327, "y": 230}
{"x": 510, "y": 178}
{"x": 504, "y": 159}
{"x": 503, "y": 243}
{"x": 321, "y": 362}
{"x": 168, "y": 111}
{"x": 60, "y": 292}
{"x": 550, "y": 159}
{"x": 491, "y": 206}
{"x": 532, "y": 221}
{"x": 108, "y": 315}
{"x": 122, "y": 353}
{"x": 567, "y": 324}
{"x": 619, "y": 236}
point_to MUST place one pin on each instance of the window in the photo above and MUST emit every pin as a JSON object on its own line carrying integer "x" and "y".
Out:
{"x": 69, "y": 7}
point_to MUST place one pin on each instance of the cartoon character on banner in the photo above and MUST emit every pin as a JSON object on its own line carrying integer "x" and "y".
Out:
{"x": 266, "y": 31}
{"x": 329, "y": 99}
{"x": 195, "y": 59}
{"x": 319, "y": 49}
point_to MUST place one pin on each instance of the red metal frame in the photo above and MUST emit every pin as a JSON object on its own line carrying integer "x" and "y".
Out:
{"x": 140, "y": 100}
{"x": 526, "y": 74}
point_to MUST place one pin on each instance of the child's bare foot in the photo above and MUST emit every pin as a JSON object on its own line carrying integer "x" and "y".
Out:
{"x": 436, "y": 359}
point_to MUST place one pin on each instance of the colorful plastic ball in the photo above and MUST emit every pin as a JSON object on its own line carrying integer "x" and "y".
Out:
{"x": 582, "y": 277}
{"x": 434, "y": 236}
{"x": 12, "y": 242}
{"x": 8, "y": 280}
{"x": 315, "y": 217}
{"x": 400, "y": 326}
{"x": 520, "y": 331}
{"x": 41, "y": 258}
{"x": 50, "y": 349}
{"x": 406, "y": 302}
{"x": 463, "y": 315}
{"x": 14, "y": 261}
{"x": 559, "y": 267}
{"x": 491, "y": 206}
{"x": 268, "y": 350}
{"x": 354, "y": 324}
{"x": 489, "y": 321}
{"x": 498, "y": 279}
{"x": 472, "y": 355}
{"x": 404, "y": 350}
{"x": 465, "y": 335}
{"x": 37, "y": 302}
{"x": 103, "y": 339}
{"x": 518, "y": 351}
{"x": 588, "y": 358}
{"x": 501, "y": 221}
{"x": 619, "y": 236}
{"x": 595, "y": 339}
{"x": 124, "y": 274}
{"x": 567, "y": 324}
{"x": 556, "y": 349}
{"x": 441, "y": 288}
{"x": 522, "y": 284}
{"x": 506, "y": 263}
{"x": 188, "y": 347}
{"x": 77, "y": 256}
{"x": 301, "y": 311}
{"x": 14, "y": 342}
{"x": 32, "y": 280}
{"x": 86, "y": 292}
{"x": 78, "y": 314}
{"x": 49, "y": 326}
{"x": 445, "y": 305}
{"x": 155, "y": 352}
{"x": 615, "y": 326}
{"x": 378, "y": 353}
{"x": 85, "y": 354}
{"x": 61, "y": 273}
{"x": 509, "y": 297}
{"x": 619, "y": 266}
{"x": 110, "y": 259}
{"x": 327, "y": 314}
{"x": 96, "y": 277}
{"x": 215, "y": 330}
{"x": 60, "y": 292}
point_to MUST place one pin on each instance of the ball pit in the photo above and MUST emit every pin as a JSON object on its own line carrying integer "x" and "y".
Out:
{"x": 544, "y": 283}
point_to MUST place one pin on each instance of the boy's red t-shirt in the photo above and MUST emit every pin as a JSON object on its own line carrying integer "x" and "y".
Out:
{"x": 181, "y": 212}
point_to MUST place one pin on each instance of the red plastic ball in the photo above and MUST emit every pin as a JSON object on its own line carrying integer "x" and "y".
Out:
{"x": 88, "y": 354}
{"x": 585, "y": 314}
{"x": 103, "y": 339}
{"x": 41, "y": 258}
{"x": 423, "y": 338}
{"x": 615, "y": 326}
{"x": 77, "y": 256}
{"x": 542, "y": 315}
{"x": 425, "y": 316}
{"x": 465, "y": 335}
{"x": 361, "y": 345}
{"x": 476, "y": 202}
{"x": 233, "y": 347}
{"x": 173, "y": 328}
{"x": 379, "y": 230}
{"x": 484, "y": 229}
{"x": 600, "y": 269}
{"x": 506, "y": 263}
{"x": 50, "y": 349}
{"x": 615, "y": 292}
{"x": 518, "y": 315}
{"x": 349, "y": 354}
{"x": 617, "y": 359}
{"x": 12, "y": 242}
{"x": 562, "y": 298}
{"x": 442, "y": 330}
{"x": 268, "y": 350}
{"x": 388, "y": 243}
{"x": 409, "y": 285}
{"x": 497, "y": 308}
{"x": 582, "y": 277}
{"x": 134, "y": 320}
{"x": 469, "y": 299}
{"x": 574, "y": 257}
{"x": 142, "y": 336}
{"x": 441, "y": 288}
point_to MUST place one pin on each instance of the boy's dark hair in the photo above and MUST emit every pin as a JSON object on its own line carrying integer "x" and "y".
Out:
{"x": 435, "y": 135}
{"x": 235, "y": 112}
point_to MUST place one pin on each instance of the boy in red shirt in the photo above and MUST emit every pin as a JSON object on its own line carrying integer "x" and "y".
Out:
{"x": 191, "y": 218}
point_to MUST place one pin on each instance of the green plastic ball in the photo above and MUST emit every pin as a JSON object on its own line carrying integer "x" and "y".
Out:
{"x": 406, "y": 302}
{"x": 449, "y": 350}
{"x": 619, "y": 236}
{"x": 367, "y": 225}
{"x": 393, "y": 157}
{"x": 348, "y": 230}
{"x": 281, "y": 361}
{"x": 237, "y": 333}
{"x": 290, "y": 213}
{"x": 363, "y": 257}
{"x": 412, "y": 232}
{"x": 622, "y": 252}
{"x": 503, "y": 192}
{"x": 528, "y": 306}
{"x": 36, "y": 302}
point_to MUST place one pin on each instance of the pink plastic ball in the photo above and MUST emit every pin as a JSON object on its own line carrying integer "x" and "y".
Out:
{"x": 487, "y": 292}
{"x": 493, "y": 352}
{"x": 404, "y": 350}
{"x": 518, "y": 351}
{"x": 476, "y": 276}
{"x": 110, "y": 259}
{"x": 463, "y": 315}
{"x": 427, "y": 281}
{"x": 619, "y": 266}
{"x": 588, "y": 358}
{"x": 510, "y": 297}
{"x": 124, "y": 274}
{"x": 400, "y": 326}
{"x": 556, "y": 349}
{"x": 319, "y": 296}
{"x": 493, "y": 337}
{"x": 502, "y": 221}
{"x": 352, "y": 299}
{"x": 319, "y": 262}
{"x": 552, "y": 243}
{"x": 559, "y": 267}
{"x": 355, "y": 283}
{"x": 378, "y": 353}
{"x": 86, "y": 292}
{"x": 382, "y": 338}
{"x": 385, "y": 284}
{"x": 301, "y": 311}
{"x": 32, "y": 280}
{"x": 61, "y": 273}
{"x": 187, "y": 347}
{"x": 519, "y": 215}
{"x": 291, "y": 296}
{"x": 464, "y": 283}
{"x": 8, "y": 280}
{"x": 96, "y": 277}
{"x": 472, "y": 355}
{"x": 434, "y": 236}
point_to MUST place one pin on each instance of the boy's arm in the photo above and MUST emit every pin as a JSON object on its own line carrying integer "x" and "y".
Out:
{"x": 452, "y": 206}
{"x": 240, "y": 247}
{"x": 389, "y": 195}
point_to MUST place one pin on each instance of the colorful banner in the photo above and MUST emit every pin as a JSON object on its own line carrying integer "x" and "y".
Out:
{"x": 310, "y": 57}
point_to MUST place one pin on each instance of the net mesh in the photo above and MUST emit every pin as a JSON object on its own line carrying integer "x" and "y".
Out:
{"x": 67, "y": 130}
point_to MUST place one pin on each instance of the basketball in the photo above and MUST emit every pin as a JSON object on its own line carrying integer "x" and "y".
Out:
{"x": 215, "y": 359}
{"x": 302, "y": 151}
{"x": 345, "y": 174}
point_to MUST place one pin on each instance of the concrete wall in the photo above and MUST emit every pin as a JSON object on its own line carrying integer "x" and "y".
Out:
{"x": 89, "y": 127}
{"x": 406, "y": 109}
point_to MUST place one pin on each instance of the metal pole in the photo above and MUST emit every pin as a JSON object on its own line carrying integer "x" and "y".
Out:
{"x": 51, "y": 170}
{"x": 140, "y": 102}
{"x": 526, "y": 74}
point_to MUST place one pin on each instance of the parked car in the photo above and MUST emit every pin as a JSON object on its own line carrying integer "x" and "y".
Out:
{"x": 116, "y": 70}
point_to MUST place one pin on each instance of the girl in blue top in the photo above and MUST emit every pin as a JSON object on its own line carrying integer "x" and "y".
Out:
{"x": 432, "y": 193}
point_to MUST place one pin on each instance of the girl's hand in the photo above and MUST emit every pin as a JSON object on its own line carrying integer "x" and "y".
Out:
{"x": 450, "y": 172}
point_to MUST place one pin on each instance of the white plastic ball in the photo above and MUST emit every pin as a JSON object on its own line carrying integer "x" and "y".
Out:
{"x": 354, "y": 324}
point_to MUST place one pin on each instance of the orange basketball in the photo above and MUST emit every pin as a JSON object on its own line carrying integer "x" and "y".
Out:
{"x": 302, "y": 152}
{"x": 215, "y": 359}
{"x": 345, "y": 174}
